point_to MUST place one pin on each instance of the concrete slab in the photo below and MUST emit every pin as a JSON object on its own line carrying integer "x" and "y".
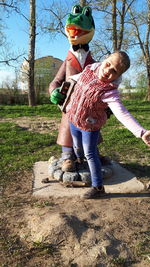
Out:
{"x": 122, "y": 181}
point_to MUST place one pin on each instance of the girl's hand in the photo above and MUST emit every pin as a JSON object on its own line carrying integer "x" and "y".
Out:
{"x": 146, "y": 138}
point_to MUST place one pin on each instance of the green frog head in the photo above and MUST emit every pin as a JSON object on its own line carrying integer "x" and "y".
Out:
{"x": 80, "y": 25}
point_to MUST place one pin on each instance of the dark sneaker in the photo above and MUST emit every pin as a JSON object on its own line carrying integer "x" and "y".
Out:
{"x": 105, "y": 160}
{"x": 95, "y": 192}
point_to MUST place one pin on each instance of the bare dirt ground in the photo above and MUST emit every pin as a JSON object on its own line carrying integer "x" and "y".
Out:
{"x": 34, "y": 124}
{"x": 113, "y": 231}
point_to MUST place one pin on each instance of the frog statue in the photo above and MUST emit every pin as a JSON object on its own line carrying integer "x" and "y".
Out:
{"x": 79, "y": 29}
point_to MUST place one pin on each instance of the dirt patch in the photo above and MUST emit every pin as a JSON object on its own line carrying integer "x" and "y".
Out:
{"x": 35, "y": 124}
{"x": 90, "y": 233}
{"x": 73, "y": 232}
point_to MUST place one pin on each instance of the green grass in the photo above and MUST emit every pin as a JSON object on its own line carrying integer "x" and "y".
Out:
{"x": 14, "y": 111}
{"x": 20, "y": 148}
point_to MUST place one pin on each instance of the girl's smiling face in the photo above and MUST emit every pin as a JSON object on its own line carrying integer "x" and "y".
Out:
{"x": 110, "y": 69}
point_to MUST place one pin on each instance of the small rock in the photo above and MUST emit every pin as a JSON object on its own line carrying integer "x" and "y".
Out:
{"x": 85, "y": 176}
{"x": 45, "y": 181}
{"x": 52, "y": 159}
{"x": 70, "y": 176}
{"x": 51, "y": 171}
{"x": 59, "y": 162}
{"x": 58, "y": 175}
{"x": 54, "y": 164}
{"x": 104, "y": 246}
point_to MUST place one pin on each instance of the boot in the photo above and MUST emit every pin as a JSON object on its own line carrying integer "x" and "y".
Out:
{"x": 68, "y": 165}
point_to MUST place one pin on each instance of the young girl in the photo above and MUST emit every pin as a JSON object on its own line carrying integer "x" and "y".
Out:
{"x": 95, "y": 90}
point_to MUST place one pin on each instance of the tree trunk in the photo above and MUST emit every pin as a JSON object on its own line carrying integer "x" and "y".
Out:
{"x": 31, "y": 55}
{"x": 148, "y": 89}
{"x": 121, "y": 31}
{"x": 147, "y": 48}
{"x": 144, "y": 45}
{"x": 114, "y": 25}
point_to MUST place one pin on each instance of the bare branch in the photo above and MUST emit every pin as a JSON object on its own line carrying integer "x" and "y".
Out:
{"x": 59, "y": 27}
{"x": 137, "y": 32}
{"x": 14, "y": 7}
{"x": 8, "y": 61}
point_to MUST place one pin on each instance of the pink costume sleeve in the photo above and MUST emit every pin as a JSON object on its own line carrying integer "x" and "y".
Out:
{"x": 122, "y": 114}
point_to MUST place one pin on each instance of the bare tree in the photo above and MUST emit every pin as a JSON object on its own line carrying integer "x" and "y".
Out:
{"x": 31, "y": 55}
{"x": 13, "y": 5}
{"x": 137, "y": 20}
{"x": 114, "y": 25}
{"x": 114, "y": 31}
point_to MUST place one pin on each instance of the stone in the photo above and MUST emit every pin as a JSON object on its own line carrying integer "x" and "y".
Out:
{"x": 58, "y": 175}
{"x": 51, "y": 171}
{"x": 54, "y": 169}
{"x": 70, "y": 176}
{"x": 85, "y": 176}
{"x": 81, "y": 173}
{"x": 52, "y": 159}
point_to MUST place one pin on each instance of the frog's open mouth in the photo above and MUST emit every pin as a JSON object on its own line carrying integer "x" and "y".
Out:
{"x": 75, "y": 32}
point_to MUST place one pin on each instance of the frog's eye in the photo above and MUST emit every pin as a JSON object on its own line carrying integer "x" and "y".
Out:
{"x": 87, "y": 11}
{"x": 76, "y": 9}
